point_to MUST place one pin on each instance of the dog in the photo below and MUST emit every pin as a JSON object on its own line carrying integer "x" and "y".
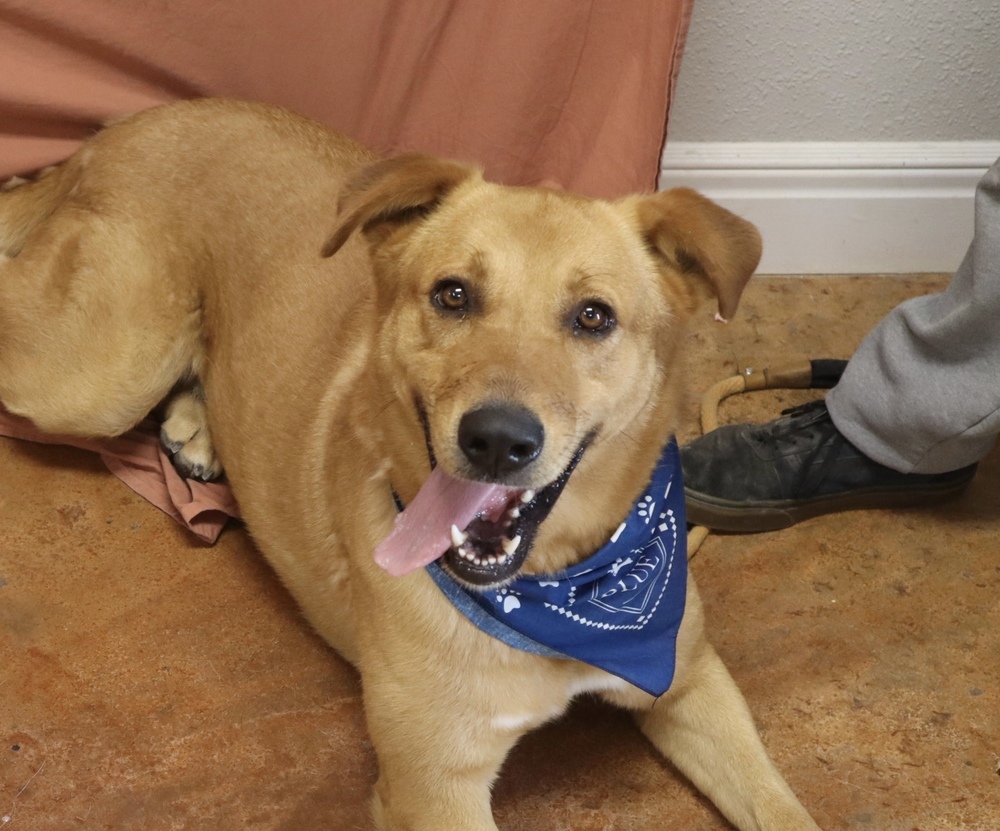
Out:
{"x": 422, "y": 386}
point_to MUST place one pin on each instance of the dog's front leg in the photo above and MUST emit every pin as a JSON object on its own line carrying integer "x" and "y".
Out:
{"x": 396, "y": 806}
{"x": 437, "y": 763}
{"x": 703, "y": 726}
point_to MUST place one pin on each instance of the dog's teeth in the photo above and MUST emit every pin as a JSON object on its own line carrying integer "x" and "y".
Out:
{"x": 515, "y": 513}
{"x": 491, "y": 560}
{"x": 510, "y": 546}
{"x": 501, "y": 559}
{"x": 457, "y": 537}
{"x": 464, "y": 553}
{"x": 527, "y": 496}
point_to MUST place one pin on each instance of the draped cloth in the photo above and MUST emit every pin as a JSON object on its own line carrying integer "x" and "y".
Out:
{"x": 570, "y": 92}
{"x": 138, "y": 459}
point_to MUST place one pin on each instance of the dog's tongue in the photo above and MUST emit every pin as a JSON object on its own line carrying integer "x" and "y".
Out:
{"x": 422, "y": 532}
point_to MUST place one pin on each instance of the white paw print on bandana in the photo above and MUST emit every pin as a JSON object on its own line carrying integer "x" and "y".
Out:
{"x": 645, "y": 508}
{"x": 509, "y": 600}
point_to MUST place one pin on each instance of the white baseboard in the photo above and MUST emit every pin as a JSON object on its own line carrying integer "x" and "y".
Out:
{"x": 843, "y": 207}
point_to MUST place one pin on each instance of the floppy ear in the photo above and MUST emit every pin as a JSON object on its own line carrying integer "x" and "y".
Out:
{"x": 702, "y": 240}
{"x": 381, "y": 196}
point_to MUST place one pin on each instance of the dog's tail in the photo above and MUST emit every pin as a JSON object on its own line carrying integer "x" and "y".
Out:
{"x": 26, "y": 203}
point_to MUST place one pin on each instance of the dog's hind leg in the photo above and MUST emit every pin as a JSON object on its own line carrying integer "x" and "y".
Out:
{"x": 98, "y": 318}
{"x": 185, "y": 434}
{"x": 26, "y": 204}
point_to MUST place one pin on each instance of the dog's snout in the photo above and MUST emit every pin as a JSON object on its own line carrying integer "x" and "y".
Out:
{"x": 499, "y": 439}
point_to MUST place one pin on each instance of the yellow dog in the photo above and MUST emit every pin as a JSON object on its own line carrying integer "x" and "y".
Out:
{"x": 331, "y": 327}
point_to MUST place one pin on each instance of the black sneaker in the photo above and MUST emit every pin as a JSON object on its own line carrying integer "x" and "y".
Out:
{"x": 762, "y": 477}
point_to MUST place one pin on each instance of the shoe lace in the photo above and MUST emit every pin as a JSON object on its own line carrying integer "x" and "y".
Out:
{"x": 808, "y": 408}
{"x": 826, "y": 441}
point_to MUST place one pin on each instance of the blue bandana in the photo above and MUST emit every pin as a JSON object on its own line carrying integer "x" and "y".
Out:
{"x": 618, "y": 610}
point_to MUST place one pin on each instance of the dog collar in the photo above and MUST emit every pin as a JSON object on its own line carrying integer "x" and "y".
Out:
{"x": 618, "y": 610}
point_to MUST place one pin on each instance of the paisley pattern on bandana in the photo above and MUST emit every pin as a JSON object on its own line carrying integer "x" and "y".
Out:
{"x": 618, "y": 610}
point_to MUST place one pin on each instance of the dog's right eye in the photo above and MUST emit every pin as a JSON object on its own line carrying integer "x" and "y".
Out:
{"x": 451, "y": 296}
{"x": 594, "y": 318}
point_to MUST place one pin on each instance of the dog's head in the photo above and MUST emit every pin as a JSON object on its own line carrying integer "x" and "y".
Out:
{"x": 527, "y": 344}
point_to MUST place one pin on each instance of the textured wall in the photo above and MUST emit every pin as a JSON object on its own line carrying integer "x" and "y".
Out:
{"x": 816, "y": 70}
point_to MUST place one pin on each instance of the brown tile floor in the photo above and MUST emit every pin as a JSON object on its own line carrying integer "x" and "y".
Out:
{"x": 151, "y": 682}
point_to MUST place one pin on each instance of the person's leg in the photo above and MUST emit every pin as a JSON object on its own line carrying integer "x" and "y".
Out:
{"x": 917, "y": 407}
{"x": 922, "y": 393}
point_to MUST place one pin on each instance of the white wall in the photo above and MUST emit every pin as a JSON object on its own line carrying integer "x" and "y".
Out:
{"x": 879, "y": 115}
{"x": 840, "y": 70}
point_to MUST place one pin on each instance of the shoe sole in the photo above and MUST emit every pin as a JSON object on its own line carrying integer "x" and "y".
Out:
{"x": 740, "y": 517}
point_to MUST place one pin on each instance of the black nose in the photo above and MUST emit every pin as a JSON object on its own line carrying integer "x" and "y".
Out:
{"x": 499, "y": 439}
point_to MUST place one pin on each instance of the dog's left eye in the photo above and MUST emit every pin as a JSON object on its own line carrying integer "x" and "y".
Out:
{"x": 451, "y": 296}
{"x": 594, "y": 318}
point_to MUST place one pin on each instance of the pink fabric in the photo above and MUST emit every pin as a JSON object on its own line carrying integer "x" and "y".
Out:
{"x": 138, "y": 459}
{"x": 576, "y": 92}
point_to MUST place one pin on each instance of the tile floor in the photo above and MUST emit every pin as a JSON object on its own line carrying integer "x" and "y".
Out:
{"x": 148, "y": 681}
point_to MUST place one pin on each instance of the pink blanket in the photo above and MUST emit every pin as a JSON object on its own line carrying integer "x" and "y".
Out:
{"x": 575, "y": 92}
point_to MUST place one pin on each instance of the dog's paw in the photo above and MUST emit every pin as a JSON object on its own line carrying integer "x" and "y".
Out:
{"x": 185, "y": 436}
{"x": 11, "y": 183}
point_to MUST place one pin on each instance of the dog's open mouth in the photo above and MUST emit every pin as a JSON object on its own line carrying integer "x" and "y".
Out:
{"x": 480, "y": 533}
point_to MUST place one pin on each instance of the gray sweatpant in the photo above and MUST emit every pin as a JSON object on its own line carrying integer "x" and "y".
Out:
{"x": 922, "y": 393}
